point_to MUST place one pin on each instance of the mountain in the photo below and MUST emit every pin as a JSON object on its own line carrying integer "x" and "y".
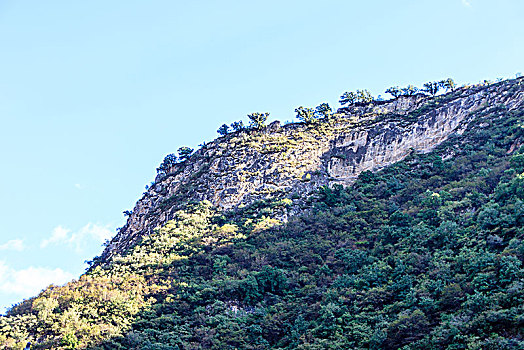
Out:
{"x": 390, "y": 224}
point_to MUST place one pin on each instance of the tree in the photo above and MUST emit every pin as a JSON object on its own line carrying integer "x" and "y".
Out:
{"x": 409, "y": 90}
{"x": 364, "y": 96}
{"x": 184, "y": 153}
{"x": 348, "y": 98}
{"x": 517, "y": 161}
{"x": 323, "y": 111}
{"x": 258, "y": 120}
{"x": 432, "y": 87}
{"x": 237, "y": 126}
{"x": 305, "y": 114}
{"x": 223, "y": 130}
{"x": 448, "y": 84}
{"x": 169, "y": 161}
{"x": 394, "y": 91}
{"x": 407, "y": 328}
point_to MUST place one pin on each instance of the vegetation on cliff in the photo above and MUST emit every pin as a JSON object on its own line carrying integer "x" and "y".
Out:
{"x": 425, "y": 254}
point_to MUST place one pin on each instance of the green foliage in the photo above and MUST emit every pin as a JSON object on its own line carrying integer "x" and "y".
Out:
{"x": 517, "y": 161}
{"x": 394, "y": 91}
{"x": 360, "y": 96}
{"x": 184, "y": 153}
{"x": 364, "y": 97}
{"x": 258, "y": 120}
{"x": 305, "y": 114}
{"x": 98, "y": 306}
{"x": 310, "y": 115}
{"x": 348, "y": 98}
{"x": 69, "y": 341}
{"x": 432, "y": 87}
{"x": 410, "y": 90}
{"x": 323, "y": 111}
{"x": 237, "y": 126}
{"x": 169, "y": 161}
{"x": 223, "y": 130}
{"x": 448, "y": 84}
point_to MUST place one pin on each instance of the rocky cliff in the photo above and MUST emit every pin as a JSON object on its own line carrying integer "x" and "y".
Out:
{"x": 292, "y": 160}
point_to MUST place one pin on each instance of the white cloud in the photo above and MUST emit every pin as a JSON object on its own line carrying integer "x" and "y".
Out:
{"x": 78, "y": 239}
{"x": 466, "y": 3}
{"x": 29, "y": 281}
{"x": 79, "y": 186}
{"x": 14, "y": 244}
{"x": 98, "y": 232}
{"x": 59, "y": 235}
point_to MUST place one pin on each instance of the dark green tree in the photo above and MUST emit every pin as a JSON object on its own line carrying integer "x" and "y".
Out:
{"x": 305, "y": 114}
{"x": 432, "y": 87}
{"x": 223, "y": 130}
{"x": 407, "y": 328}
{"x": 323, "y": 111}
{"x": 237, "y": 126}
{"x": 258, "y": 120}
{"x": 410, "y": 90}
{"x": 169, "y": 161}
{"x": 448, "y": 84}
{"x": 394, "y": 91}
{"x": 348, "y": 98}
{"x": 517, "y": 161}
{"x": 364, "y": 96}
{"x": 184, "y": 153}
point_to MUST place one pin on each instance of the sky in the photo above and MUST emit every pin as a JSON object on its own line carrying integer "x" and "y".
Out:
{"x": 94, "y": 94}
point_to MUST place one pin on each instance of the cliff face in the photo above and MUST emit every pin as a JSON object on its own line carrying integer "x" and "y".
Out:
{"x": 292, "y": 160}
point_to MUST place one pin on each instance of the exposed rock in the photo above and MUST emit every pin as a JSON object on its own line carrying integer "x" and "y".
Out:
{"x": 292, "y": 160}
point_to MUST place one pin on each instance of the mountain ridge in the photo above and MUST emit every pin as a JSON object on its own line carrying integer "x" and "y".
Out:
{"x": 251, "y": 165}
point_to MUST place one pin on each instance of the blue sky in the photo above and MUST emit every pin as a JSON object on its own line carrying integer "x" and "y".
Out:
{"x": 93, "y": 95}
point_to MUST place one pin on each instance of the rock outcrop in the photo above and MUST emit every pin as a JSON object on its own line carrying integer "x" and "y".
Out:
{"x": 292, "y": 160}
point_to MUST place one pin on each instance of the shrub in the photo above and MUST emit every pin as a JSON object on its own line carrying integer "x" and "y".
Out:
{"x": 258, "y": 120}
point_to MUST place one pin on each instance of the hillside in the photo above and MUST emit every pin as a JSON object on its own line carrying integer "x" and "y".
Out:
{"x": 291, "y": 161}
{"x": 395, "y": 224}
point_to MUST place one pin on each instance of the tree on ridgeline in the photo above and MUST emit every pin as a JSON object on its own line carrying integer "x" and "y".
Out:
{"x": 348, "y": 98}
{"x": 169, "y": 161}
{"x": 364, "y": 96}
{"x": 432, "y": 87}
{"x": 258, "y": 120}
{"x": 410, "y": 90}
{"x": 323, "y": 110}
{"x": 184, "y": 153}
{"x": 305, "y": 114}
{"x": 394, "y": 91}
{"x": 237, "y": 126}
{"x": 223, "y": 130}
{"x": 448, "y": 84}
{"x": 360, "y": 96}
